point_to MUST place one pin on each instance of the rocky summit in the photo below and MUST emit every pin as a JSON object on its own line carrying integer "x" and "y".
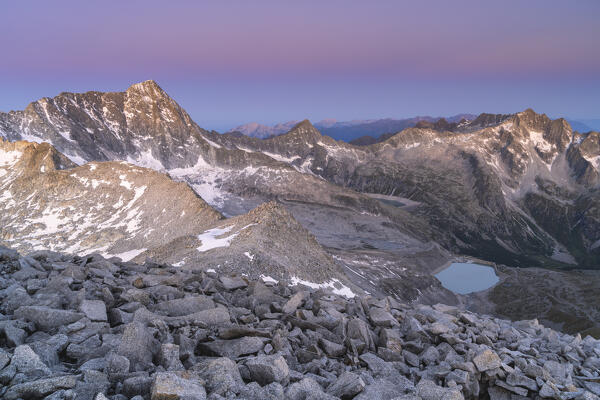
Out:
{"x": 86, "y": 327}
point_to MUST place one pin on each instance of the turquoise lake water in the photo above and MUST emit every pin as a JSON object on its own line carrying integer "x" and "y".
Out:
{"x": 463, "y": 278}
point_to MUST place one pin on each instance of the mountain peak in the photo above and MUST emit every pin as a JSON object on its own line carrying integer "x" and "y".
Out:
{"x": 486, "y": 119}
{"x": 304, "y": 124}
{"x": 30, "y": 157}
{"x": 150, "y": 83}
{"x": 304, "y": 129}
{"x": 532, "y": 119}
{"x": 147, "y": 88}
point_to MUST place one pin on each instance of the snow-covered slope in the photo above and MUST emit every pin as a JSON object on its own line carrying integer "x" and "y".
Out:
{"x": 118, "y": 209}
{"x": 113, "y": 208}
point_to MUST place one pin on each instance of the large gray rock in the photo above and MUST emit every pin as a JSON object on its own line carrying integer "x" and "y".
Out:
{"x": 294, "y": 302}
{"x": 4, "y": 359}
{"x": 13, "y": 335}
{"x": 332, "y": 349}
{"x": 213, "y": 317}
{"x": 459, "y": 376}
{"x": 378, "y": 366}
{"x": 49, "y": 349}
{"x": 428, "y": 390}
{"x": 268, "y": 369}
{"x": 169, "y": 357}
{"x": 381, "y": 317}
{"x": 170, "y": 386}
{"x": 40, "y": 388}
{"x": 487, "y": 360}
{"x": 390, "y": 338}
{"x": 26, "y": 361}
{"x": 517, "y": 379}
{"x": 97, "y": 364}
{"x": 557, "y": 370}
{"x": 46, "y": 318}
{"x": 232, "y": 283}
{"x": 13, "y": 297}
{"x": 221, "y": 375}
{"x": 137, "y": 385}
{"x": 514, "y": 389}
{"x": 95, "y": 310}
{"x": 380, "y": 389}
{"x": 116, "y": 365}
{"x": 346, "y": 386}
{"x": 232, "y": 348}
{"x": 185, "y": 306}
{"x": 358, "y": 331}
{"x": 306, "y": 388}
{"x": 138, "y": 345}
{"x": 92, "y": 382}
{"x": 430, "y": 356}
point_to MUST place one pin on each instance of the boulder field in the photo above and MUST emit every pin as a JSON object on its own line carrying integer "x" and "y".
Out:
{"x": 86, "y": 327}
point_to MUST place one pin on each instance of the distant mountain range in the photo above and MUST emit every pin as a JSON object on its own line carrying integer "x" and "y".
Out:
{"x": 365, "y": 132}
{"x": 346, "y": 131}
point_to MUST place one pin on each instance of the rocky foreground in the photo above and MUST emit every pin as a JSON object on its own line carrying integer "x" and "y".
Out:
{"x": 90, "y": 328}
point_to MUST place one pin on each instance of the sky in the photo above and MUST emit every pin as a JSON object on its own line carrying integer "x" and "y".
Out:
{"x": 233, "y": 62}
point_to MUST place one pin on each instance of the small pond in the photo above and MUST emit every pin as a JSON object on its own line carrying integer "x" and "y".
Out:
{"x": 463, "y": 278}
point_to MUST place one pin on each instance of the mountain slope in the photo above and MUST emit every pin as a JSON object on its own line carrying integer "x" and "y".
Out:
{"x": 118, "y": 209}
{"x": 145, "y": 127}
{"x": 496, "y": 187}
{"x": 266, "y": 241}
{"x": 107, "y": 207}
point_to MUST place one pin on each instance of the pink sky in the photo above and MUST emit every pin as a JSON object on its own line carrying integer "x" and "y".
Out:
{"x": 250, "y": 56}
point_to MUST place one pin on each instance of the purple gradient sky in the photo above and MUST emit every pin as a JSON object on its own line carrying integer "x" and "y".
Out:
{"x": 231, "y": 62}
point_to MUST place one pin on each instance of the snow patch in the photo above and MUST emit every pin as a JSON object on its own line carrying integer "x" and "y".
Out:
{"x": 210, "y": 238}
{"x": 334, "y": 285}
{"x": 124, "y": 182}
{"x": 6, "y": 195}
{"x": 128, "y": 255}
{"x": 412, "y": 146}
{"x": 281, "y": 158}
{"x": 205, "y": 181}
{"x": 537, "y": 138}
{"x": 213, "y": 144}
{"x": 9, "y": 158}
{"x": 268, "y": 279}
{"x": 67, "y": 136}
{"x": 51, "y": 219}
{"x": 595, "y": 161}
{"x": 75, "y": 158}
{"x": 147, "y": 160}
